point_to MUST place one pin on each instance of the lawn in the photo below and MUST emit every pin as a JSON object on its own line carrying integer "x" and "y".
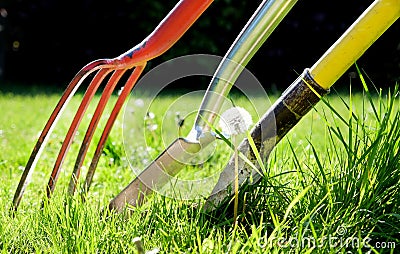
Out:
{"x": 331, "y": 185}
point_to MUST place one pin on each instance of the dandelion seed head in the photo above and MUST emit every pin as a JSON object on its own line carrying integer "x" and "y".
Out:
{"x": 235, "y": 120}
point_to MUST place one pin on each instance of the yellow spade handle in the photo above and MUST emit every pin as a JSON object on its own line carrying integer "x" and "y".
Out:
{"x": 372, "y": 23}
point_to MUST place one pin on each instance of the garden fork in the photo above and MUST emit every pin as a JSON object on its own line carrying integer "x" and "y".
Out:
{"x": 170, "y": 29}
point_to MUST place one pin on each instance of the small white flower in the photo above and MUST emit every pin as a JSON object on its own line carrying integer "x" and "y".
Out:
{"x": 235, "y": 120}
{"x": 139, "y": 103}
{"x": 152, "y": 127}
{"x": 120, "y": 91}
{"x": 150, "y": 115}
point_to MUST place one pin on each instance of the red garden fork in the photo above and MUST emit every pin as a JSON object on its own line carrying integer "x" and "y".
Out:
{"x": 302, "y": 95}
{"x": 171, "y": 28}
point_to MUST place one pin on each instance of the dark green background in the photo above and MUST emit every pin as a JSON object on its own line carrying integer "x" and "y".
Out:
{"x": 57, "y": 38}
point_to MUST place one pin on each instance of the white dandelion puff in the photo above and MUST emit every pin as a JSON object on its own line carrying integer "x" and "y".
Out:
{"x": 235, "y": 120}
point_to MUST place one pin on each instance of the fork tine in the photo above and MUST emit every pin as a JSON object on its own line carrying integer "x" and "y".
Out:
{"x": 48, "y": 128}
{"x": 110, "y": 122}
{"x": 106, "y": 94}
{"x": 165, "y": 35}
{"x": 90, "y": 92}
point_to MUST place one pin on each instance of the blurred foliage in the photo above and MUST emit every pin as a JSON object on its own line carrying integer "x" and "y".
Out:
{"x": 50, "y": 40}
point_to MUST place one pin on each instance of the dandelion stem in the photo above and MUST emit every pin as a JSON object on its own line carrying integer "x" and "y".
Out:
{"x": 236, "y": 200}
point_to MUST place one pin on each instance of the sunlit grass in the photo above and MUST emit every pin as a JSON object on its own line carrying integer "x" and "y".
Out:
{"x": 332, "y": 184}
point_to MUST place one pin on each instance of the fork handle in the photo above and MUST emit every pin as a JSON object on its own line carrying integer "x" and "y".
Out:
{"x": 168, "y": 32}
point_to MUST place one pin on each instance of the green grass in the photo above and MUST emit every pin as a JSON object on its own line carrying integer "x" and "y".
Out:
{"x": 332, "y": 184}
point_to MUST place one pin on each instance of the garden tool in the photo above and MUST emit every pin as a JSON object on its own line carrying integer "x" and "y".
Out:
{"x": 169, "y": 31}
{"x": 303, "y": 94}
{"x": 259, "y": 27}
{"x": 293, "y": 104}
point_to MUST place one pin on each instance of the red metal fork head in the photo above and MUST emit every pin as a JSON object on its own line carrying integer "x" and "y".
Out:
{"x": 173, "y": 26}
